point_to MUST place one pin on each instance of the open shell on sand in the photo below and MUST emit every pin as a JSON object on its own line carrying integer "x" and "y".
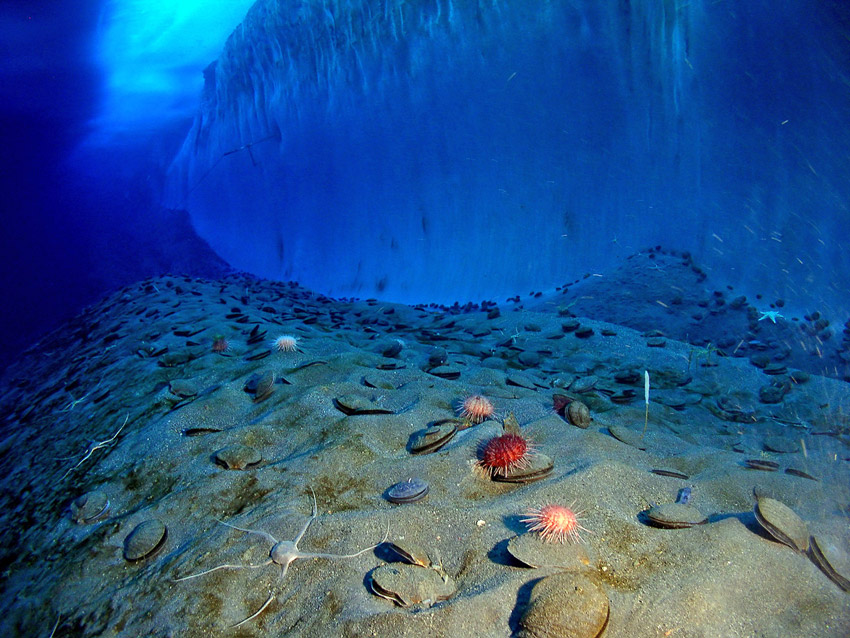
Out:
{"x": 408, "y": 585}
{"x": 90, "y": 507}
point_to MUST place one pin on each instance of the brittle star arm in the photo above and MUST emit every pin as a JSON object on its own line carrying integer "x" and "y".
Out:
{"x": 225, "y": 566}
{"x": 258, "y": 532}
{"x": 332, "y": 556}
{"x": 256, "y": 613}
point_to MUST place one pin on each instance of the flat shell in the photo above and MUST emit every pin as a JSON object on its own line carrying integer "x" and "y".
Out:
{"x": 352, "y": 404}
{"x": 828, "y": 558}
{"x": 761, "y": 464}
{"x": 584, "y": 384}
{"x": 408, "y": 585}
{"x": 627, "y": 435}
{"x": 539, "y": 466}
{"x": 675, "y": 516}
{"x": 782, "y": 523}
{"x": 90, "y": 507}
{"x": 184, "y": 388}
{"x": 781, "y": 443}
{"x": 145, "y": 540}
{"x": 409, "y": 491}
{"x": 238, "y": 457}
{"x": 521, "y": 381}
{"x": 568, "y": 604}
{"x": 446, "y": 372}
{"x": 432, "y": 438}
{"x": 532, "y": 550}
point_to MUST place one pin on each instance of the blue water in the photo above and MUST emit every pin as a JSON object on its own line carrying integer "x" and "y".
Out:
{"x": 422, "y": 151}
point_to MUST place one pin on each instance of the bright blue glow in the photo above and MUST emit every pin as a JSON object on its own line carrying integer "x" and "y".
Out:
{"x": 152, "y": 53}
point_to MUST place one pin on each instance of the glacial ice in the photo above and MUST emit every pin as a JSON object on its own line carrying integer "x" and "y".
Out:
{"x": 434, "y": 150}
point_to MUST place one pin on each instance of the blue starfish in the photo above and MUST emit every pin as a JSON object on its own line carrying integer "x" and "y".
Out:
{"x": 769, "y": 314}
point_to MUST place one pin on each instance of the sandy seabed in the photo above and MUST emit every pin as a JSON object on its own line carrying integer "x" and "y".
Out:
{"x": 131, "y": 402}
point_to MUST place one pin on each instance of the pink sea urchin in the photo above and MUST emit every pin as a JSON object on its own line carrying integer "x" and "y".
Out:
{"x": 555, "y": 523}
{"x": 476, "y": 408}
{"x": 285, "y": 343}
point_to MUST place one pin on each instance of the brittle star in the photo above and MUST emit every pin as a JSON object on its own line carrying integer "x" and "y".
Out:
{"x": 282, "y": 553}
{"x": 73, "y": 402}
{"x": 96, "y": 446}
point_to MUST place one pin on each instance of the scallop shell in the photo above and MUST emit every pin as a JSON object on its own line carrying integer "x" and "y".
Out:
{"x": 238, "y": 457}
{"x": 782, "y": 523}
{"x": 627, "y": 435}
{"x": 567, "y": 604}
{"x": 264, "y": 387}
{"x": 90, "y": 507}
{"x": 409, "y": 491}
{"x": 579, "y": 414}
{"x": 433, "y": 438}
{"x": 532, "y": 550}
{"x": 408, "y": 585}
{"x": 184, "y": 388}
{"x": 826, "y": 556}
{"x": 583, "y": 384}
{"x": 391, "y": 348}
{"x": 352, "y": 404}
{"x": 539, "y": 466}
{"x": 413, "y": 553}
{"x": 521, "y": 380}
{"x": 446, "y": 372}
{"x": 145, "y": 540}
{"x": 675, "y": 516}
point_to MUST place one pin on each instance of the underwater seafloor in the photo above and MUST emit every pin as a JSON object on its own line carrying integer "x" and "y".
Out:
{"x": 160, "y": 435}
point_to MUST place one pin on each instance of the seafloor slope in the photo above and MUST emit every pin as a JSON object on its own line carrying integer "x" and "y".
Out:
{"x": 141, "y": 405}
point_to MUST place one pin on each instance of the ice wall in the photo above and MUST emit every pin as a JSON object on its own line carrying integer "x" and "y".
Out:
{"x": 461, "y": 149}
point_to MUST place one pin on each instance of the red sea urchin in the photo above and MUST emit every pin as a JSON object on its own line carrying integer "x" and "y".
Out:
{"x": 555, "y": 523}
{"x": 503, "y": 454}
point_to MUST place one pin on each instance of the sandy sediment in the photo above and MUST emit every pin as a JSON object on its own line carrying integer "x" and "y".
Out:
{"x": 131, "y": 399}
